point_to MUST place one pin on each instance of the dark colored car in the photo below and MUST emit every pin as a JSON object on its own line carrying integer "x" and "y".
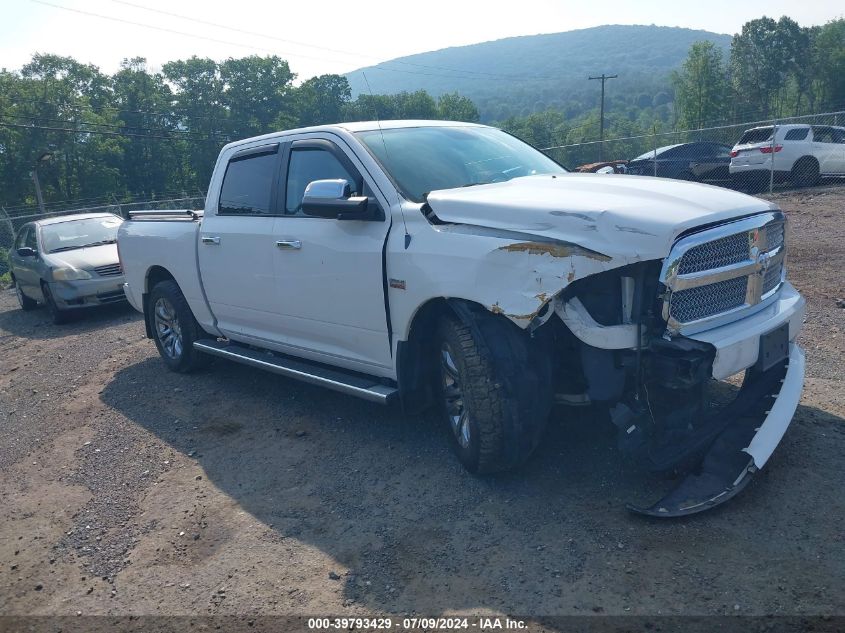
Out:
{"x": 702, "y": 162}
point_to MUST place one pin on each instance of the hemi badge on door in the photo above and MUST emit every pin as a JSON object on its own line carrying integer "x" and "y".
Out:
{"x": 399, "y": 284}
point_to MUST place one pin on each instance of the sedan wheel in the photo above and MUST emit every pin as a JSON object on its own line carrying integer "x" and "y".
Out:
{"x": 59, "y": 316}
{"x": 25, "y": 302}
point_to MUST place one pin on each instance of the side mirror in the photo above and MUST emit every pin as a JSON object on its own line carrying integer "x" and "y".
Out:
{"x": 26, "y": 251}
{"x": 331, "y": 199}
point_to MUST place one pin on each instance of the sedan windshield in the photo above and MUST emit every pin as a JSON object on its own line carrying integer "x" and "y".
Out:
{"x": 66, "y": 236}
{"x": 425, "y": 159}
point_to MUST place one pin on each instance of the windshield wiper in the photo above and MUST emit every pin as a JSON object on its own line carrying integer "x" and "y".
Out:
{"x": 100, "y": 243}
{"x": 64, "y": 248}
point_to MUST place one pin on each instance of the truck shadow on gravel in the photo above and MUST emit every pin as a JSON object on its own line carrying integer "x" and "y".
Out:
{"x": 37, "y": 324}
{"x": 381, "y": 494}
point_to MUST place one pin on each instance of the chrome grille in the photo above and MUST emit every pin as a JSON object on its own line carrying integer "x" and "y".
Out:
{"x": 723, "y": 273}
{"x": 774, "y": 235}
{"x": 721, "y": 252}
{"x": 772, "y": 277}
{"x": 704, "y": 301}
{"x": 110, "y": 270}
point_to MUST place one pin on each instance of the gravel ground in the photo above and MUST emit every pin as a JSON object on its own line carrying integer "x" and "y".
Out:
{"x": 130, "y": 490}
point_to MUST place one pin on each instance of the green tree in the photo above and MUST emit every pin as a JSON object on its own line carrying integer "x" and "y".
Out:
{"x": 323, "y": 99}
{"x": 258, "y": 93}
{"x": 200, "y": 101}
{"x": 144, "y": 103}
{"x": 701, "y": 86}
{"x": 454, "y": 107}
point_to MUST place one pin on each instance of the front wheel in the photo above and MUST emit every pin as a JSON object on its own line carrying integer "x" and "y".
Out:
{"x": 25, "y": 302}
{"x": 493, "y": 403}
{"x": 58, "y": 315}
{"x": 174, "y": 328}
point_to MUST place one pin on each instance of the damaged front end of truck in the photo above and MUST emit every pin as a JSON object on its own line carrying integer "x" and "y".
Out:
{"x": 692, "y": 356}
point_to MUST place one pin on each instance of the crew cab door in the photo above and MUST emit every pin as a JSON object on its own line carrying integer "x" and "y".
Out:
{"x": 236, "y": 245}
{"x": 329, "y": 272}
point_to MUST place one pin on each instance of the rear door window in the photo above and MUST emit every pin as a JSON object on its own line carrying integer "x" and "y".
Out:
{"x": 823, "y": 135}
{"x": 249, "y": 183}
{"x": 759, "y": 135}
{"x": 797, "y": 134}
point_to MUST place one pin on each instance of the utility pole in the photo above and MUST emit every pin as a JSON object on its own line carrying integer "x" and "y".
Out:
{"x": 603, "y": 78}
{"x": 34, "y": 175}
{"x": 43, "y": 158}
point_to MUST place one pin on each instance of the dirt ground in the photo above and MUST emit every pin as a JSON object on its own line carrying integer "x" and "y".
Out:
{"x": 126, "y": 489}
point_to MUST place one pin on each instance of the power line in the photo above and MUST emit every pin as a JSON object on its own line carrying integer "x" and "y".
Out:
{"x": 190, "y": 134}
{"x": 467, "y": 74}
{"x": 305, "y": 44}
{"x": 100, "y": 108}
{"x": 101, "y": 132}
{"x": 266, "y": 50}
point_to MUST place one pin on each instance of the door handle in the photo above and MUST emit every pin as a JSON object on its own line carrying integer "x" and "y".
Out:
{"x": 210, "y": 240}
{"x": 289, "y": 245}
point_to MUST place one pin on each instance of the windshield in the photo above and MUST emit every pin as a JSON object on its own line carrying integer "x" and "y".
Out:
{"x": 425, "y": 159}
{"x": 65, "y": 236}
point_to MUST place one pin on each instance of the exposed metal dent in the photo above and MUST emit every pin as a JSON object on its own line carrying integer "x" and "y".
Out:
{"x": 555, "y": 249}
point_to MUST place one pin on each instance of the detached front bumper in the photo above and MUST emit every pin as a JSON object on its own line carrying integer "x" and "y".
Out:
{"x": 746, "y": 432}
{"x": 87, "y": 293}
{"x": 744, "y": 446}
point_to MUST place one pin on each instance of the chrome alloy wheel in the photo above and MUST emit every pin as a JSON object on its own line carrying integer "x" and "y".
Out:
{"x": 455, "y": 409}
{"x": 167, "y": 328}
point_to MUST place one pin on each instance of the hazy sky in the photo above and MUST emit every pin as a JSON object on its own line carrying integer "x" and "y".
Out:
{"x": 326, "y": 36}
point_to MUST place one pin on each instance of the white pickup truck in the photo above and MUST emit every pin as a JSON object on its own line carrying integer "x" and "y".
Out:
{"x": 459, "y": 271}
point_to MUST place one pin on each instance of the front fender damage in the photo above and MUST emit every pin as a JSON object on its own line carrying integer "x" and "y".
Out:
{"x": 519, "y": 279}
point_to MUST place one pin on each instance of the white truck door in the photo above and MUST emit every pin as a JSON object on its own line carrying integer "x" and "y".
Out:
{"x": 236, "y": 246}
{"x": 329, "y": 277}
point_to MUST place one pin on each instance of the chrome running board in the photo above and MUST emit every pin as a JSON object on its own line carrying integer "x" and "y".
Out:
{"x": 359, "y": 385}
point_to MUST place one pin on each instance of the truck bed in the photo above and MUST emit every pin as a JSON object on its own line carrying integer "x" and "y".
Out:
{"x": 163, "y": 243}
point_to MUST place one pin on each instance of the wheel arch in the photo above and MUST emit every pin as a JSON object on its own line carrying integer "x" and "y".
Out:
{"x": 414, "y": 365}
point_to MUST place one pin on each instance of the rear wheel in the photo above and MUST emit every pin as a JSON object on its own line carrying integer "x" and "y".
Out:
{"x": 686, "y": 175}
{"x": 494, "y": 407}
{"x": 805, "y": 172}
{"x": 58, "y": 315}
{"x": 25, "y": 302}
{"x": 174, "y": 328}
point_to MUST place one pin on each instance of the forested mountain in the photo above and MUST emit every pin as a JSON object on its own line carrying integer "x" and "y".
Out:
{"x": 520, "y": 75}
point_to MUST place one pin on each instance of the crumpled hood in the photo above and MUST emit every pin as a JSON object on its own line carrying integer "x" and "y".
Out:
{"x": 630, "y": 216}
{"x": 85, "y": 258}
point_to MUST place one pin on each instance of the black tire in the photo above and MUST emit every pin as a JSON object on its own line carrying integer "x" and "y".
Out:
{"x": 25, "y": 302}
{"x": 497, "y": 393}
{"x": 686, "y": 175}
{"x": 58, "y": 315}
{"x": 175, "y": 329}
{"x": 805, "y": 172}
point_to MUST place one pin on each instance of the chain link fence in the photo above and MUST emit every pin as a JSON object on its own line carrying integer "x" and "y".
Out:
{"x": 12, "y": 219}
{"x": 755, "y": 155}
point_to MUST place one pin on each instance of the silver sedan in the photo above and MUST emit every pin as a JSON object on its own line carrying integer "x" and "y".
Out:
{"x": 67, "y": 263}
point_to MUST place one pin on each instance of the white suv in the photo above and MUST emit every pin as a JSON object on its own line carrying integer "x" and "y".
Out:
{"x": 801, "y": 153}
